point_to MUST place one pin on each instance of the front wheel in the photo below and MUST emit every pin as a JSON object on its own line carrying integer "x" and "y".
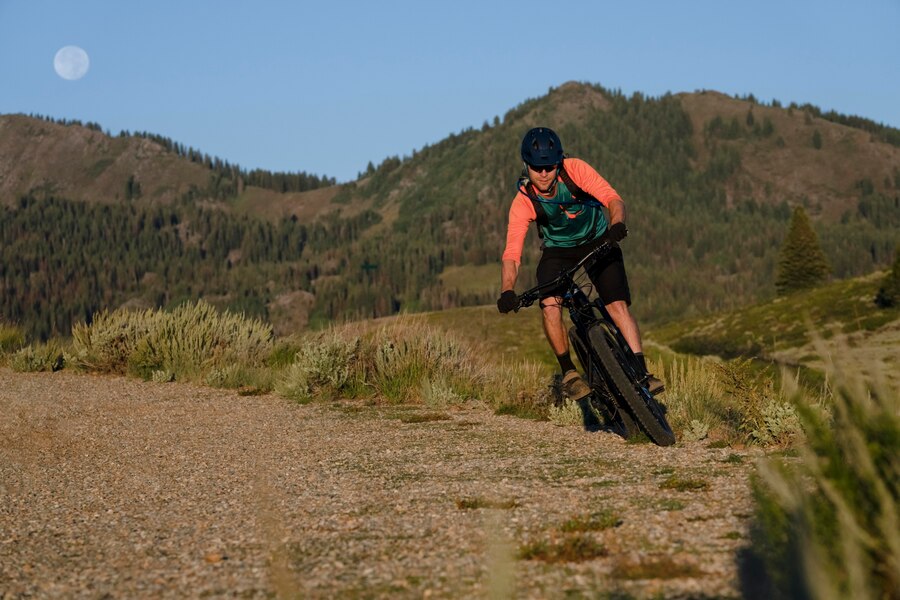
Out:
{"x": 640, "y": 403}
{"x": 603, "y": 399}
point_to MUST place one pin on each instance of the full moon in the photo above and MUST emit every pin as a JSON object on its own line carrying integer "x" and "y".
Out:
{"x": 71, "y": 62}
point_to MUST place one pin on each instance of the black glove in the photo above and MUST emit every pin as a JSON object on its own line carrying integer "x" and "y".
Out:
{"x": 616, "y": 232}
{"x": 508, "y": 301}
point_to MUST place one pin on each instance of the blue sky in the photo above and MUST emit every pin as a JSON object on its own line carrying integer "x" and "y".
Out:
{"x": 327, "y": 87}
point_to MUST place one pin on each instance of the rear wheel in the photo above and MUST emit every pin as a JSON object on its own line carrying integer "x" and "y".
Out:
{"x": 603, "y": 399}
{"x": 640, "y": 403}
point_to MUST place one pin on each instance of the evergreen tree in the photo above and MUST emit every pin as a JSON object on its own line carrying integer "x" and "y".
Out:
{"x": 817, "y": 140}
{"x": 889, "y": 293}
{"x": 802, "y": 263}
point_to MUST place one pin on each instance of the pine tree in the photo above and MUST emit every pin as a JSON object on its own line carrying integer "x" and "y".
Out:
{"x": 802, "y": 263}
{"x": 817, "y": 140}
{"x": 889, "y": 293}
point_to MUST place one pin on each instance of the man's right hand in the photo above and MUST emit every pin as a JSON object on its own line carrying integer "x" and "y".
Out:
{"x": 508, "y": 301}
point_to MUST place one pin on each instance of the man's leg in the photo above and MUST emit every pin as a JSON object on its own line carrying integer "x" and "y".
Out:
{"x": 626, "y": 323}
{"x": 574, "y": 385}
{"x": 628, "y": 326}
{"x": 553, "y": 325}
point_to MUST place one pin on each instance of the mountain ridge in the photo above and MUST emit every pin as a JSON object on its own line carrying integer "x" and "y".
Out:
{"x": 709, "y": 181}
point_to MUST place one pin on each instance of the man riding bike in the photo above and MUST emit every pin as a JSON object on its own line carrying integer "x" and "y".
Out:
{"x": 569, "y": 193}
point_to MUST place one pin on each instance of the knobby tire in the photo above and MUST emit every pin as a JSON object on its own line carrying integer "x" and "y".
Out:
{"x": 615, "y": 415}
{"x": 643, "y": 406}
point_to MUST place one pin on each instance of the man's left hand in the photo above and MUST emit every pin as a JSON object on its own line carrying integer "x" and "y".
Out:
{"x": 616, "y": 232}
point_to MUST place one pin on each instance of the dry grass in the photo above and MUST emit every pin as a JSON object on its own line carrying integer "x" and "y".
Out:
{"x": 829, "y": 527}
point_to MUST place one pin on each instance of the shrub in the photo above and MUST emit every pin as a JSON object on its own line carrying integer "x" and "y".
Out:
{"x": 693, "y": 396}
{"x": 107, "y": 343}
{"x": 707, "y": 397}
{"x": 765, "y": 416}
{"x": 193, "y": 339}
{"x": 829, "y": 527}
{"x": 889, "y": 293}
{"x": 399, "y": 358}
{"x": 325, "y": 366}
{"x": 438, "y": 393}
{"x": 39, "y": 357}
{"x": 567, "y": 414}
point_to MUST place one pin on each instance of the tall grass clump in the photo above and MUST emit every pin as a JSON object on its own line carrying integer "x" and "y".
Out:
{"x": 405, "y": 356}
{"x": 829, "y": 527}
{"x": 11, "y": 338}
{"x": 406, "y": 361}
{"x": 39, "y": 357}
{"x": 325, "y": 366}
{"x": 728, "y": 400}
{"x": 767, "y": 416}
{"x": 524, "y": 389}
{"x": 694, "y": 397}
{"x": 108, "y": 342}
{"x": 193, "y": 342}
{"x": 195, "y": 338}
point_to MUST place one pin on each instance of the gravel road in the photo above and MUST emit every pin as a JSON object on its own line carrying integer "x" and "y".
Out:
{"x": 116, "y": 488}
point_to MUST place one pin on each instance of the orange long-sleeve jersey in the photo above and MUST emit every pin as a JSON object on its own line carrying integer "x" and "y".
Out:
{"x": 522, "y": 213}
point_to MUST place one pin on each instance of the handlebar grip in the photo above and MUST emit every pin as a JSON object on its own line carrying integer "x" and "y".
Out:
{"x": 525, "y": 300}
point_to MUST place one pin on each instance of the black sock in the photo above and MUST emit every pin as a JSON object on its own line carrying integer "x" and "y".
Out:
{"x": 565, "y": 362}
{"x": 642, "y": 360}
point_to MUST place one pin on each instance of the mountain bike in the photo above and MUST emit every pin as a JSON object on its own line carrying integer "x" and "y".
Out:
{"x": 618, "y": 381}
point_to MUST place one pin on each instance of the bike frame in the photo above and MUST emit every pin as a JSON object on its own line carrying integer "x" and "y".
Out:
{"x": 587, "y": 316}
{"x": 581, "y": 309}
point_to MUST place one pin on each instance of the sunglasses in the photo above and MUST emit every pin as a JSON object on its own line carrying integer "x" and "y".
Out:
{"x": 543, "y": 169}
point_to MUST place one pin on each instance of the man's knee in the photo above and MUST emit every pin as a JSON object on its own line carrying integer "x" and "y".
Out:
{"x": 551, "y": 309}
{"x": 619, "y": 307}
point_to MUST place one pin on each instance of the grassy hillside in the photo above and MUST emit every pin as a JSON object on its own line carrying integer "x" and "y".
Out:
{"x": 709, "y": 181}
{"x": 67, "y": 159}
{"x": 839, "y": 319}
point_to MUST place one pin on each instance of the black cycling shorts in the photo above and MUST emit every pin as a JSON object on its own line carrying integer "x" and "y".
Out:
{"x": 607, "y": 274}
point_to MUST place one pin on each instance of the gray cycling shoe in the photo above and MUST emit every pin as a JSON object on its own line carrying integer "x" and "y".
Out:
{"x": 655, "y": 385}
{"x": 574, "y": 386}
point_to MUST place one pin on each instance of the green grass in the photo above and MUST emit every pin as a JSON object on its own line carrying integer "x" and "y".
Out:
{"x": 655, "y": 568}
{"x": 513, "y": 337}
{"x": 784, "y": 322}
{"x": 573, "y": 548}
{"x": 471, "y": 279}
{"x": 476, "y": 503}
{"x": 684, "y": 484}
{"x": 597, "y": 521}
{"x": 670, "y": 505}
{"x": 11, "y": 338}
{"x": 428, "y": 417}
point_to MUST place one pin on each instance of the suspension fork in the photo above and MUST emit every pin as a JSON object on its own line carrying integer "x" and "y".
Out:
{"x": 578, "y": 301}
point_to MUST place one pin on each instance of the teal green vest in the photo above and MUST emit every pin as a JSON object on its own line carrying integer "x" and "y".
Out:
{"x": 562, "y": 231}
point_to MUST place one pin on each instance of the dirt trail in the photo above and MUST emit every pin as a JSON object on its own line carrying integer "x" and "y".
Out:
{"x": 112, "y": 487}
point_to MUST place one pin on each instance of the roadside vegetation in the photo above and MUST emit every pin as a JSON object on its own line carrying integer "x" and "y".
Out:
{"x": 827, "y": 517}
{"x": 828, "y": 524}
{"x": 405, "y": 360}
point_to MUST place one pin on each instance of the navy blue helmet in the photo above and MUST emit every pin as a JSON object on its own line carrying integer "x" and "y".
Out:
{"x": 541, "y": 148}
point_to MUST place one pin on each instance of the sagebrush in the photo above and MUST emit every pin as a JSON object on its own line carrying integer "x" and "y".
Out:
{"x": 188, "y": 343}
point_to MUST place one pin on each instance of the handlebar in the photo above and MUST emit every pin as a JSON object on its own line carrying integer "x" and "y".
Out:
{"x": 528, "y": 297}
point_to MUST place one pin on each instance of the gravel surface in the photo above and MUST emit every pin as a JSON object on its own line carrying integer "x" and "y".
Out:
{"x": 113, "y": 487}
